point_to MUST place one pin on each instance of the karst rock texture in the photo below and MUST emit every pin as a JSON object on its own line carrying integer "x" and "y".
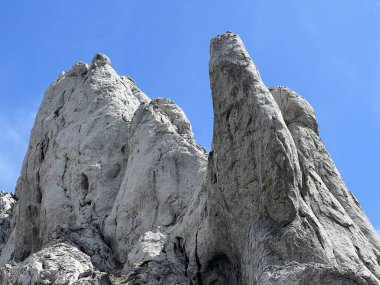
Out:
{"x": 7, "y": 232}
{"x": 115, "y": 190}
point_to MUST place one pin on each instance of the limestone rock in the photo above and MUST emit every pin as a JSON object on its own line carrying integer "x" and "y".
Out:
{"x": 60, "y": 264}
{"x": 7, "y": 208}
{"x": 115, "y": 190}
{"x": 7, "y": 203}
{"x": 165, "y": 167}
{"x": 75, "y": 161}
{"x": 275, "y": 208}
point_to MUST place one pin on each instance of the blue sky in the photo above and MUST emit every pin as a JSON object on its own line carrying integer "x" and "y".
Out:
{"x": 328, "y": 51}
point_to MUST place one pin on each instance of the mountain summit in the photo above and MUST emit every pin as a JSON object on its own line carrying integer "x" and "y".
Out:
{"x": 115, "y": 190}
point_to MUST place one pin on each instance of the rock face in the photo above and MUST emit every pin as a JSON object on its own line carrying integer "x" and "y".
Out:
{"x": 7, "y": 232}
{"x": 59, "y": 264}
{"x": 114, "y": 189}
{"x": 7, "y": 203}
{"x": 164, "y": 168}
{"x": 76, "y": 160}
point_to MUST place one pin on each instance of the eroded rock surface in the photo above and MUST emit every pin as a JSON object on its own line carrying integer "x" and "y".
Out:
{"x": 115, "y": 190}
{"x": 7, "y": 211}
{"x": 165, "y": 166}
{"x": 75, "y": 161}
{"x": 60, "y": 264}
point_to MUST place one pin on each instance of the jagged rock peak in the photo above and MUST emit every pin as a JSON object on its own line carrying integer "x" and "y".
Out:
{"x": 115, "y": 190}
{"x": 176, "y": 116}
{"x": 75, "y": 163}
{"x": 228, "y": 48}
{"x": 294, "y": 108}
{"x": 79, "y": 68}
{"x": 100, "y": 60}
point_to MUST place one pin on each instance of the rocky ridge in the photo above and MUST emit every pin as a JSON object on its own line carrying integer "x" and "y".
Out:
{"x": 115, "y": 190}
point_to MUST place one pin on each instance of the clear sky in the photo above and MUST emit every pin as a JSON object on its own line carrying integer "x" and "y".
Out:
{"x": 326, "y": 50}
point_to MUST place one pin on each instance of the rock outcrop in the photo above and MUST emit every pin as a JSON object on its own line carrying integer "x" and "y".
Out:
{"x": 59, "y": 264}
{"x": 7, "y": 232}
{"x": 76, "y": 160}
{"x": 164, "y": 168}
{"x": 115, "y": 190}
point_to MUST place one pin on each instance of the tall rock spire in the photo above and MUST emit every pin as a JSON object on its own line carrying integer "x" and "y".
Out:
{"x": 251, "y": 141}
{"x": 282, "y": 210}
{"x": 273, "y": 208}
{"x": 115, "y": 190}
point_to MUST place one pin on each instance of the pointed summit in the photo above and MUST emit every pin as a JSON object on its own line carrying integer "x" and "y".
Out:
{"x": 276, "y": 210}
{"x": 228, "y": 48}
{"x": 100, "y": 60}
{"x": 114, "y": 183}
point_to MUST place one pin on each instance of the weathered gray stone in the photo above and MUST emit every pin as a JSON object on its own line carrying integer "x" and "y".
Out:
{"x": 165, "y": 167}
{"x": 7, "y": 203}
{"x": 115, "y": 190}
{"x": 75, "y": 163}
{"x": 273, "y": 208}
{"x": 60, "y": 264}
{"x": 7, "y": 210}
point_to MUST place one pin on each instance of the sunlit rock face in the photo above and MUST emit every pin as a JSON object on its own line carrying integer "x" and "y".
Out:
{"x": 7, "y": 230}
{"x": 115, "y": 190}
{"x": 75, "y": 161}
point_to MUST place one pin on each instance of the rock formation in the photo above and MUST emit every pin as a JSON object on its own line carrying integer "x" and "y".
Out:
{"x": 115, "y": 190}
{"x": 7, "y": 232}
